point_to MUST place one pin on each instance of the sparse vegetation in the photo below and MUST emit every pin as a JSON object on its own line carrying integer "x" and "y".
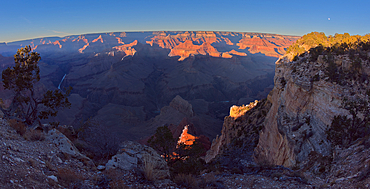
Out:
{"x": 282, "y": 82}
{"x": 344, "y": 130}
{"x": 19, "y": 126}
{"x": 149, "y": 168}
{"x": 69, "y": 177}
{"x": 34, "y": 135}
{"x": 188, "y": 160}
{"x": 342, "y": 57}
{"x": 186, "y": 180}
{"x": 318, "y": 43}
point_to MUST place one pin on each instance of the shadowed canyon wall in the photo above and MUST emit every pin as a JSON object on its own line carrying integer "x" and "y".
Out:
{"x": 124, "y": 80}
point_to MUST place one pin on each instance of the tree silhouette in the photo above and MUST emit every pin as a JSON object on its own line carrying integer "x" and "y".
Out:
{"x": 163, "y": 141}
{"x": 27, "y": 106}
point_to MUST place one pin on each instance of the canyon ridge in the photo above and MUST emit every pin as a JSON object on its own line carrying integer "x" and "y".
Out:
{"x": 123, "y": 82}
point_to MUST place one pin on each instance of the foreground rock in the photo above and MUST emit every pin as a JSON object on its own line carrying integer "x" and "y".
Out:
{"x": 49, "y": 160}
{"x": 133, "y": 155}
{"x": 66, "y": 146}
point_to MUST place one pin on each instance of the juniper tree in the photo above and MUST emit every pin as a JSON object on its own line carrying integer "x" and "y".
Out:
{"x": 163, "y": 141}
{"x": 27, "y": 105}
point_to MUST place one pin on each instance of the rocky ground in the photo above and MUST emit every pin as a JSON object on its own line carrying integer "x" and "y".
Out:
{"x": 35, "y": 160}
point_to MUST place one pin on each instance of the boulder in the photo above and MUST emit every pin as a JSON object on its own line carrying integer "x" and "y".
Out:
{"x": 133, "y": 155}
{"x": 66, "y": 146}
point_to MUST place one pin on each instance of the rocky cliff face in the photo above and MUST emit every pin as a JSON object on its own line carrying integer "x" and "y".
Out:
{"x": 304, "y": 103}
{"x": 310, "y": 89}
{"x": 240, "y": 130}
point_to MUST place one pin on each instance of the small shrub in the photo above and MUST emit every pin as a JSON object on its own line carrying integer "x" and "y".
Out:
{"x": 294, "y": 70}
{"x": 20, "y": 127}
{"x": 50, "y": 166}
{"x": 264, "y": 113}
{"x": 338, "y": 133}
{"x": 283, "y": 82}
{"x": 191, "y": 165}
{"x": 149, "y": 168}
{"x": 295, "y": 58}
{"x": 210, "y": 181}
{"x": 32, "y": 162}
{"x": 276, "y": 175}
{"x": 68, "y": 132}
{"x": 265, "y": 163}
{"x": 68, "y": 177}
{"x": 65, "y": 156}
{"x": 316, "y": 77}
{"x": 113, "y": 174}
{"x": 34, "y": 135}
{"x": 236, "y": 170}
{"x": 186, "y": 180}
{"x": 307, "y": 120}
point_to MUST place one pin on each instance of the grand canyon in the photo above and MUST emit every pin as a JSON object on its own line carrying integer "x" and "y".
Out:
{"x": 125, "y": 79}
{"x": 218, "y": 110}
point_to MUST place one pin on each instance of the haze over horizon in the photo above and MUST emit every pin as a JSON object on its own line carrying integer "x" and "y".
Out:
{"x": 33, "y": 19}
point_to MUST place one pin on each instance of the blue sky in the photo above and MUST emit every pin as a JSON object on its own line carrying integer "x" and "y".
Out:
{"x": 41, "y": 18}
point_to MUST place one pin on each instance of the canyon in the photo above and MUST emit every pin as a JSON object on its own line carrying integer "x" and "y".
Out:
{"x": 310, "y": 128}
{"x": 124, "y": 81}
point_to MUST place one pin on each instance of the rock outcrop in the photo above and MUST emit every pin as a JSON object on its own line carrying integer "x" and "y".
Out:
{"x": 66, "y": 146}
{"x": 313, "y": 85}
{"x": 182, "y": 106}
{"x": 265, "y": 43}
{"x": 187, "y": 48}
{"x": 133, "y": 155}
{"x": 304, "y": 103}
{"x": 187, "y": 134}
{"x": 240, "y": 132}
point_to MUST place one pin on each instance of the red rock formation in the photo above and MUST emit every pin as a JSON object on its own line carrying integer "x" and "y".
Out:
{"x": 183, "y": 44}
{"x": 80, "y": 38}
{"x": 120, "y": 40}
{"x": 83, "y": 48}
{"x": 226, "y": 55}
{"x": 189, "y": 134}
{"x": 187, "y": 48}
{"x": 127, "y": 48}
{"x": 237, "y": 53}
{"x": 99, "y": 38}
{"x": 266, "y": 44}
{"x": 57, "y": 43}
{"x": 186, "y": 137}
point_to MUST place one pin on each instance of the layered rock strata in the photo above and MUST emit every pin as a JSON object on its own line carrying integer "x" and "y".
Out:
{"x": 304, "y": 103}
{"x": 240, "y": 131}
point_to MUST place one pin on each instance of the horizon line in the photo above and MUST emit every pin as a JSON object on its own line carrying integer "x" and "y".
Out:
{"x": 138, "y": 31}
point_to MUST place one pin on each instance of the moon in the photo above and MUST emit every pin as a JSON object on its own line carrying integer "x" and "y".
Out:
{"x": 328, "y": 18}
